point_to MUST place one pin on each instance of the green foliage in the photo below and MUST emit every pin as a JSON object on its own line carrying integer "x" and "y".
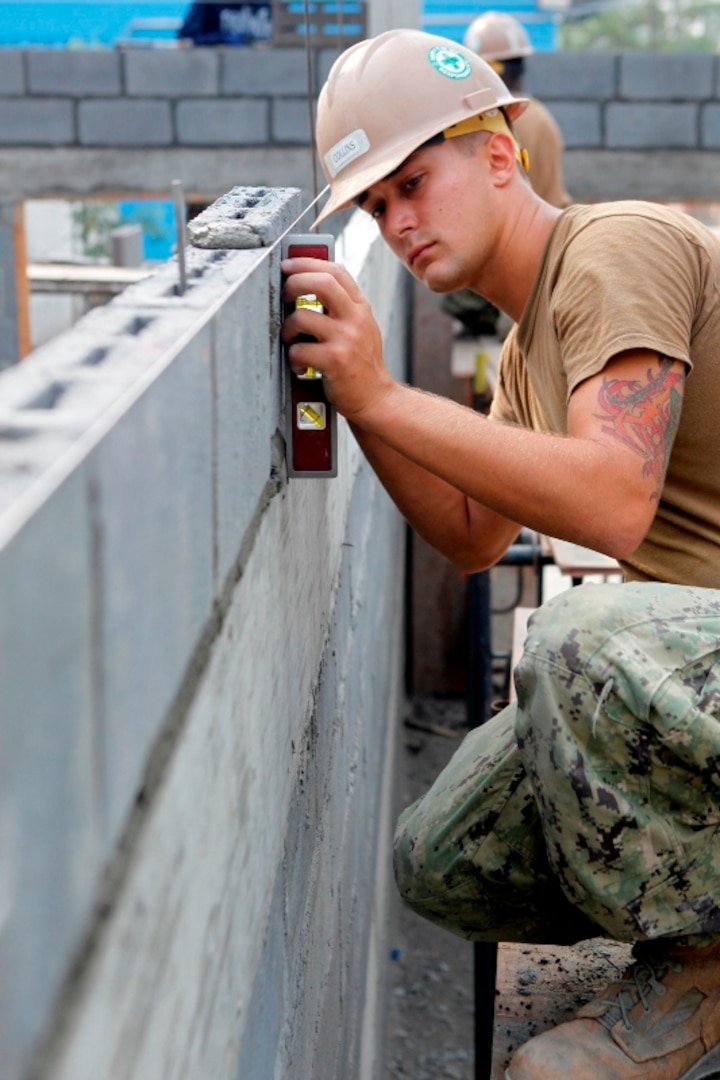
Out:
{"x": 669, "y": 25}
{"x": 92, "y": 223}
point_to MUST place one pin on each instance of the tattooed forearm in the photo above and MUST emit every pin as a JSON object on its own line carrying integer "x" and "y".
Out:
{"x": 644, "y": 417}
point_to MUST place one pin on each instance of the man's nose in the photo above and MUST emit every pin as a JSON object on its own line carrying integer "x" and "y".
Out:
{"x": 400, "y": 219}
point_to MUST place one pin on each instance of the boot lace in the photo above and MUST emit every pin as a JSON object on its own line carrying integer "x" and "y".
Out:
{"x": 642, "y": 981}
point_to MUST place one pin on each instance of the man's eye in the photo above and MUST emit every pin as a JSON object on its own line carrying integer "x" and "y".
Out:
{"x": 412, "y": 182}
{"x": 377, "y": 211}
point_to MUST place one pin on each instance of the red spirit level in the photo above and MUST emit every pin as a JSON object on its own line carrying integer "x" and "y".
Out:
{"x": 311, "y": 419}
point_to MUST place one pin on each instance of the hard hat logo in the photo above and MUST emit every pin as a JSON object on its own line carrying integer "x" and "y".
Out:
{"x": 345, "y": 151}
{"x": 450, "y": 63}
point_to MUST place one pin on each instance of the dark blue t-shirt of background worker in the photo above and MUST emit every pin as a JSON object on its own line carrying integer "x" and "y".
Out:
{"x": 218, "y": 23}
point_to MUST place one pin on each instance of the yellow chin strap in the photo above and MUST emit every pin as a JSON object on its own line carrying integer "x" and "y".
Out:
{"x": 490, "y": 121}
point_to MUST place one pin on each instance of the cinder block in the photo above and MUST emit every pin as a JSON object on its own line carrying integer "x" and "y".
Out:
{"x": 77, "y": 72}
{"x": 110, "y": 349}
{"x": 245, "y": 217}
{"x": 571, "y": 75}
{"x": 262, "y": 72}
{"x": 216, "y": 270}
{"x": 28, "y": 122}
{"x": 50, "y": 829}
{"x": 710, "y": 126}
{"x": 29, "y": 444}
{"x": 172, "y": 73}
{"x": 80, "y": 380}
{"x": 246, "y": 408}
{"x": 650, "y": 126}
{"x": 12, "y": 78}
{"x": 153, "y": 477}
{"x": 125, "y": 123}
{"x": 661, "y": 76}
{"x": 290, "y": 121}
{"x": 223, "y": 122}
{"x": 580, "y": 123}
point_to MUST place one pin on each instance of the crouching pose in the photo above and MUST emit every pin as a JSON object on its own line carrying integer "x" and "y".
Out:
{"x": 592, "y": 807}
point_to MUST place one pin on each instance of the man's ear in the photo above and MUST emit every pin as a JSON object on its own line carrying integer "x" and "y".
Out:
{"x": 501, "y": 151}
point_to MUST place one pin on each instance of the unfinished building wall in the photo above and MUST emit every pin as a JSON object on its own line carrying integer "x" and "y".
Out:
{"x": 199, "y": 671}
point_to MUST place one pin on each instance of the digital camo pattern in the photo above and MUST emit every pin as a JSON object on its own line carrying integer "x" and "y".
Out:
{"x": 593, "y": 805}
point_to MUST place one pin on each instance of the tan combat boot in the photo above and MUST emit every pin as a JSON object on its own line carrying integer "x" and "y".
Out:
{"x": 660, "y": 1022}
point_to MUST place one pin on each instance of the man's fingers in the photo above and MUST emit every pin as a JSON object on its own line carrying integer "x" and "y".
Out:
{"x": 303, "y": 355}
{"x": 303, "y": 321}
{"x": 331, "y": 282}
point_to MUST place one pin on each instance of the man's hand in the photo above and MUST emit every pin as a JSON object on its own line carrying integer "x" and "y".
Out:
{"x": 347, "y": 349}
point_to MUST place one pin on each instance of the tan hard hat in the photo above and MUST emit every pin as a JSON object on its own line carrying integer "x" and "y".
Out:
{"x": 497, "y": 36}
{"x": 386, "y": 96}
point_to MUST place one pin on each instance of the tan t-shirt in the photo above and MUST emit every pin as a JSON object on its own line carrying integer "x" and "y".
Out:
{"x": 631, "y": 275}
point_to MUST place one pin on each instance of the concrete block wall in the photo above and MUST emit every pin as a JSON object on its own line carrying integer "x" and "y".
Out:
{"x": 200, "y": 666}
{"x": 635, "y": 124}
{"x": 189, "y": 97}
{"x": 649, "y": 101}
{"x": 235, "y": 97}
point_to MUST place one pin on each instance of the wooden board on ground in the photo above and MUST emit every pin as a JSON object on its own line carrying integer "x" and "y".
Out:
{"x": 540, "y": 986}
{"x": 578, "y": 561}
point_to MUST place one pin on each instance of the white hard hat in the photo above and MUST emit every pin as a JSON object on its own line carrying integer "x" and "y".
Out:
{"x": 386, "y": 96}
{"x": 497, "y": 36}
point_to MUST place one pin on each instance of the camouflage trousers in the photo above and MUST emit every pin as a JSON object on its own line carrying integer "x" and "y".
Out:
{"x": 591, "y": 806}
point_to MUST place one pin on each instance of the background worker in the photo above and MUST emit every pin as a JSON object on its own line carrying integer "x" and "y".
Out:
{"x": 502, "y": 41}
{"x": 592, "y": 806}
{"x": 214, "y": 22}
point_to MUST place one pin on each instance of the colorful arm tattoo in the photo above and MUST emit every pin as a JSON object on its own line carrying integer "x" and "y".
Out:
{"x": 644, "y": 417}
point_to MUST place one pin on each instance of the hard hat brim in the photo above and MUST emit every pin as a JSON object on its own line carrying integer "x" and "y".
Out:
{"x": 360, "y": 180}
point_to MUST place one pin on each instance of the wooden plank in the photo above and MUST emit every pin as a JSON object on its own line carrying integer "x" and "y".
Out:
{"x": 540, "y": 986}
{"x": 74, "y": 278}
{"x": 577, "y": 561}
{"x": 22, "y": 289}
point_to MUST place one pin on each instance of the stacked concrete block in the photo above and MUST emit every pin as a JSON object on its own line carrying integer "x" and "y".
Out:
{"x": 253, "y": 97}
{"x": 635, "y": 124}
{"x": 131, "y": 119}
{"x": 172, "y": 73}
{"x": 632, "y": 100}
{"x": 73, "y": 73}
{"x": 199, "y": 669}
{"x": 177, "y": 97}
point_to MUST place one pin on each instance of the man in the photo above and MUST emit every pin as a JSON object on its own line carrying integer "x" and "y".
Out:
{"x": 503, "y": 42}
{"x": 593, "y": 806}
